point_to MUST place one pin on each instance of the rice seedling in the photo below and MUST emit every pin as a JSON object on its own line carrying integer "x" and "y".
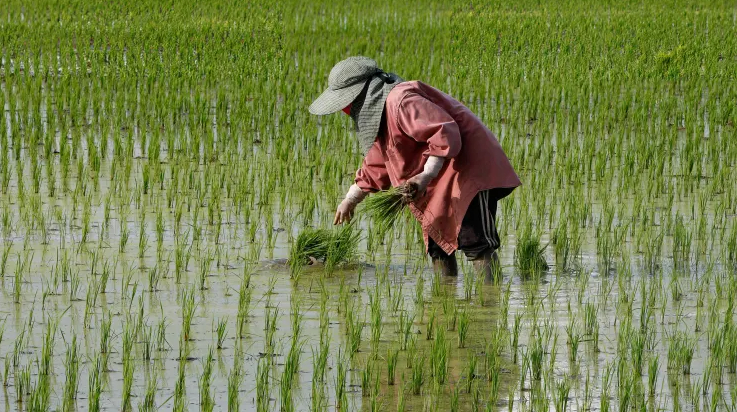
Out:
{"x": 128, "y": 366}
{"x": 411, "y": 352}
{"x": 450, "y": 313}
{"x": 124, "y": 235}
{"x": 95, "y": 386}
{"x": 637, "y": 346}
{"x": 470, "y": 372}
{"x": 454, "y": 399}
{"x": 420, "y": 298}
{"x": 39, "y": 395}
{"x": 20, "y": 272}
{"x": 386, "y": 207}
{"x": 188, "y": 310}
{"x": 468, "y": 283}
{"x": 153, "y": 279}
{"x": 510, "y": 400}
{"x": 354, "y": 330}
{"x": 207, "y": 403}
{"x": 182, "y": 254}
{"x": 417, "y": 377}
{"x": 529, "y": 254}
{"x": 391, "y": 365}
{"x": 401, "y": 405}
{"x": 22, "y": 382}
{"x": 405, "y": 328}
{"x": 161, "y": 342}
{"x": 291, "y": 365}
{"x": 492, "y": 362}
{"x": 93, "y": 291}
{"x": 317, "y": 391}
{"x": 536, "y": 354}
{"x": 376, "y": 325}
{"x": 285, "y": 390}
{"x": 271, "y": 317}
{"x": 147, "y": 343}
{"x": 311, "y": 243}
{"x": 514, "y": 341}
{"x": 244, "y": 305}
{"x": 180, "y": 387}
{"x": 341, "y": 397}
{"x": 464, "y": 323}
{"x": 574, "y": 338}
{"x": 204, "y": 271}
{"x": 105, "y": 333}
{"x": 680, "y": 352}
{"x": 367, "y": 378}
{"x": 331, "y": 247}
{"x": 439, "y": 357}
{"x": 342, "y": 247}
{"x": 562, "y": 389}
{"x": 4, "y": 258}
{"x": 148, "y": 404}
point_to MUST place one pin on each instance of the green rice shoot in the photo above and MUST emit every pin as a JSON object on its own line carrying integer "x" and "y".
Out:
{"x": 311, "y": 243}
{"x": 386, "y": 206}
{"x": 332, "y": 247}
{"x": 530, "y": 254}
{"x": 342, "y": 247}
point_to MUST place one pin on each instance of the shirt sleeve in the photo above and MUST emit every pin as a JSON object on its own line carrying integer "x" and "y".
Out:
{"x": 373, "y": 176}
{"x": 426, "y": 122}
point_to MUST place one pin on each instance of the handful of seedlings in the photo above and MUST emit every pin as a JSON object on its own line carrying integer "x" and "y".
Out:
{"x": 332, "y": 247}
{"x": 387, "y": 205}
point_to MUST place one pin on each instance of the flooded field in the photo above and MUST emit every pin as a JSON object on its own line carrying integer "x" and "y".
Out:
{"x": 158, "y": 163}
{"x": 206, "y": 317}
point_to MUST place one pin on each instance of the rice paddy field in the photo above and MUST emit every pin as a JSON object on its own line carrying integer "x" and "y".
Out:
{"x": 162, "y": 187}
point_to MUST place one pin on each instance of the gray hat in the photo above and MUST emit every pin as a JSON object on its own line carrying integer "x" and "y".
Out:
{"x": 355, "y": 77}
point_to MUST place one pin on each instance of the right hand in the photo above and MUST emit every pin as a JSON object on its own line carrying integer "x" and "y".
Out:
{"x": 344, "y": 213}
{"x": 415, "y": 187}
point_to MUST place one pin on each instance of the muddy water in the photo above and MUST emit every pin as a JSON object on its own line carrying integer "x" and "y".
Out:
{"x": 218, "y": 301}
{"x": 543, "y": 301}
{"x": 552, "y": 294}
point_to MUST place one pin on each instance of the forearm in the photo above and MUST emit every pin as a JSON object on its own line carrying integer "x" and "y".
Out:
{"x": 433, "y": 166}
{"x": 418, "y": 183}
{"x": 345, "y": 209}
{"x": 355, "y": 195}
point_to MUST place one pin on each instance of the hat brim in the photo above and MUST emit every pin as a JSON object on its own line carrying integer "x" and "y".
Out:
{"x": 331, "y": 101}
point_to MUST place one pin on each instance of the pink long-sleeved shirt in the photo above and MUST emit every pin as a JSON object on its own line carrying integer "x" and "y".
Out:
{"x": 422, "y": 121}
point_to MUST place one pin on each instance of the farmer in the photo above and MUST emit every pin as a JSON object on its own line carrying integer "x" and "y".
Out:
{"x": 412, "y": 135}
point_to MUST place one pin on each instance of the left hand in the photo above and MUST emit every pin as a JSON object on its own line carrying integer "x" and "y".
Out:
{"x": 344, "y": 214}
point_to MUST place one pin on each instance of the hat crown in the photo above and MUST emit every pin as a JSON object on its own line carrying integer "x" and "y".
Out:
{"x": 351, "y": 71}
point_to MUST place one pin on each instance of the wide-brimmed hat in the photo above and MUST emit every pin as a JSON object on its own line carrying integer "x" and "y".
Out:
{"x": 353, "y": 77}
{"x": 346, "y": 80}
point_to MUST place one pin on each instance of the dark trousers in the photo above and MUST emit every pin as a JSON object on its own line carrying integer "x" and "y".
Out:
{"x": 478, "y": 235}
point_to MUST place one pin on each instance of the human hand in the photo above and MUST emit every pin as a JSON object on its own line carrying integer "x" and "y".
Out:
{"x": 344, "y": 212}
{"x": 415, "y": 187}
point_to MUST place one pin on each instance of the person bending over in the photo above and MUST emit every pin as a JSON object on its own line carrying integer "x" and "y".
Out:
{"x": 449, "y": 163}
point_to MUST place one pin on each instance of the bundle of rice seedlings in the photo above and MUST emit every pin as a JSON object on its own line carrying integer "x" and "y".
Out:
{"x": 342, "y": 248}
{"x": 310, "y": 244}
{"x": 332, "y": 247}
{"x": 386, "y": 206}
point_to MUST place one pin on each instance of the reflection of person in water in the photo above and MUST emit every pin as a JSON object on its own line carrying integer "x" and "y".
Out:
{"x": 412, "y": 134}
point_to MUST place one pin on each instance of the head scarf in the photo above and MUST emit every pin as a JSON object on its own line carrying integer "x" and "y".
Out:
{"x": 357, "y": 81}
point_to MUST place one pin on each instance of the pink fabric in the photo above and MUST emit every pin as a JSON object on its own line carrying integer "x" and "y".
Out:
{"x": 422, "y": 121}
